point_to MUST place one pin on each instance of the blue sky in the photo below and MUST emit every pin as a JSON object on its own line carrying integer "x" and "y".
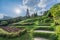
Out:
{"x": 16, "y": 8}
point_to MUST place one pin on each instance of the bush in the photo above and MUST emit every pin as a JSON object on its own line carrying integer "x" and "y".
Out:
{"x": 50, "y": 36}
{"x": 44, "y": 35}
{"x": 48, "y": 20}
{"x": 44, "y": 24}
{"x": 59, "y": 37}
{"x": 53, "y": 37}
{"x": 55, "y": 11}
{"x": 45, "y": 28}
{"x": 58, "y": 31}
{"x": 4, "y": 23}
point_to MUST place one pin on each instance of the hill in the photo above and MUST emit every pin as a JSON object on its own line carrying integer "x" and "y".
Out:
{"x": 5, "y": 18}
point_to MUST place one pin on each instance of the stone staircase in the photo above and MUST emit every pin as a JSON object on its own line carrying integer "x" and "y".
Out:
{"x": 42, "y": 31}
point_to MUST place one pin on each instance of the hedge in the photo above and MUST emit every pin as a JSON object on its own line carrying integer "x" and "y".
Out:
{"x": 50, "y": 36}
{"x": 45, "y": 28}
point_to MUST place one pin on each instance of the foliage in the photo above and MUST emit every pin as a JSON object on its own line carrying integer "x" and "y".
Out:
{"x": 39, "y": 34}
{"x": 4, "y": 23}
{"x": 45, "y": 28}
{"x": 55, "y": 11}
{"x": 58, "y": 31}
{"x": 53, "y": 37}
{"x": 25, "y": 36}
{"x": 44, "y": 24}
{"x": 34, "y": 15}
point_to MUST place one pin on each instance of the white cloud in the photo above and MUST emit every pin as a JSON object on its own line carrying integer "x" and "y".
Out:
{"x": 33, "y": 4}
{"x": 42, "y": 4}
{"x": 30, "y": 3}
{"x": 25, "y": 1}
{"x": 45, "y": 3}
{"x": 24, "y": 8}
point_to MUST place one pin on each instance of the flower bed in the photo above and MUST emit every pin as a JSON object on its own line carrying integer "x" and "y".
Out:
{"x": 11, "y": 32}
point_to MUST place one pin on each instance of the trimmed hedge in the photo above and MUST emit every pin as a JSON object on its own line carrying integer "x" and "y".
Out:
{"x": 45, "y": 28}
{"x": 44, "y": 24}
{"x": 44, "y": 35}
{"x": 50, "y": 36}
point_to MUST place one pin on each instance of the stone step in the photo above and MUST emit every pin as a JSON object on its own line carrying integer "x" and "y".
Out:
{"x": 44, "y": 31}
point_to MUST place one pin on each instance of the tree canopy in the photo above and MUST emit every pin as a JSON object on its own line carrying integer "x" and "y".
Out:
{"x": 55, "y": 11}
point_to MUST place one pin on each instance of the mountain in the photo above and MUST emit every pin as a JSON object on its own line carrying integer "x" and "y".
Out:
{"x": 5, "y": 18}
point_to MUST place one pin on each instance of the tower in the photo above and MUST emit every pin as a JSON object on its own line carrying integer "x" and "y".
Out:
{"x": 27, "y": 14}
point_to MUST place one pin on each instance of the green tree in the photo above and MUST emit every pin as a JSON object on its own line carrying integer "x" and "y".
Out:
{"x": 4, "y": 23}
{"x": 34, "y": 15}
{"x": 55, "y": 11}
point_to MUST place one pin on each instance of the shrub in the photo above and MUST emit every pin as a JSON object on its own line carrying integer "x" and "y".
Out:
{"x": 45, "y": 28}
{"x": 53, "y": 37}
{"x": 50, "y": 36}
{"x": 59, "y": 37}
{"x": 55, "y": 11}
{"x": 4, "y": 23}
{"x": 44, "y": 24}
{"x": 44, "y": 35}
{"x": 58, "y": 31}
